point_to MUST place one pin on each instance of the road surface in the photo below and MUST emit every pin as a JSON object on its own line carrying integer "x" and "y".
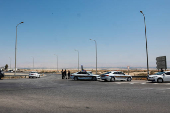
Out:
{"x": 51, "y": 94}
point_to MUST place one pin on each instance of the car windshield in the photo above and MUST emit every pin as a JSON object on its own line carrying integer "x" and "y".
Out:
{"x": 159, "y": 73}
{"x": 107, "y": 72}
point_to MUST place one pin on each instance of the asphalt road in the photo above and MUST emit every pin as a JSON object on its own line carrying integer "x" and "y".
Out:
{"x": 51, "y": 94}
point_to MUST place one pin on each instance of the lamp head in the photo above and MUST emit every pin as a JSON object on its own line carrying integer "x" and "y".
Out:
{"x": 22, "y": 22}
{"x": 141, "y": 12}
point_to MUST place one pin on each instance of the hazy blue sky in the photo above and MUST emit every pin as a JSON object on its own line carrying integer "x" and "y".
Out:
{"x": 60, "y": 26}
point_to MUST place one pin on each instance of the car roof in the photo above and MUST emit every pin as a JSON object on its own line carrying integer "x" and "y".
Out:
{"x": 115, "y": 71}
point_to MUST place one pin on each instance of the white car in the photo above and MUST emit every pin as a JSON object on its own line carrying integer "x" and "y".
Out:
{"x": 11, "y": 71}
{"x": 160, "y": 77}
{"x": 84, "y": 75}
{"x": 34, "y": 74}
{"x": 115, "y": 75}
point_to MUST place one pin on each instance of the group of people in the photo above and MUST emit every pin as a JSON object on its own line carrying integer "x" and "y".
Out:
{"x": 64, "y": 74}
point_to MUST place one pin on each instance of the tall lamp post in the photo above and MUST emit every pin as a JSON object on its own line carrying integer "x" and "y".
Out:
{"x": 146, "y": 44}
{"x": 16, "y": 46}
{"x": 78, "y": 59}
{"x": 57, "y": 61}
{"x": 96, "y": 54}
{"x": 10, "y": 62}
{"x": 33, "y": 62}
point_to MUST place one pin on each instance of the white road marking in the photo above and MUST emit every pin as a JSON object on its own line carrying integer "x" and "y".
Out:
{"x": 143, "y": 83}
{"x": 118, "y": 83}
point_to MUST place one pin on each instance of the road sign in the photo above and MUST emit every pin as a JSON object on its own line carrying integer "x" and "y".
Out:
{"x": 128, "y": 69}
{"x": 161, "y": 62}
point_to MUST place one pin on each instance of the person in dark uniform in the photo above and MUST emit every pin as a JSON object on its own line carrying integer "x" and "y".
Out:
{"x": 62, "y": 72}
{"x": 68, "y": 74}
{"x": 1, "y": 75}
{"x": 65, "y": 74}
{"x": 162, "y": 70}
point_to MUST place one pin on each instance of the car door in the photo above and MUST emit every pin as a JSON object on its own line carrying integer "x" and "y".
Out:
{"x": 167, "y": 76}
{"x": 116, "y": 75}
{"x": 79, "y": 75}
{"x": 122, "y": 76}
{"x": 85, "y": 75}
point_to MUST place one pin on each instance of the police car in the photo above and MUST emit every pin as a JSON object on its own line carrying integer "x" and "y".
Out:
{"x": 84, "y": 75}
{"x": 115, "y": 75}
{"x": 160, "y": 77}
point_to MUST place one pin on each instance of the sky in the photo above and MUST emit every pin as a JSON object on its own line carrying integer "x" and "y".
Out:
{"x": 61, "y": 26}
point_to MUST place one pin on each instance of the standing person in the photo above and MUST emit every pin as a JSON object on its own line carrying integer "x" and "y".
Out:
{"x": 62, "y": 74}
{"x": 68, "y": 74}
{"x": 162, "y": 70}
{"x": 1, "y": 75}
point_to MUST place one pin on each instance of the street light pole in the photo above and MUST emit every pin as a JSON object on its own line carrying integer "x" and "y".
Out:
{"x": 57, "y": 61}
{"x": 16, "y": 46}
{"x": 146, "y": 45}
{"x": 96, "y": 54}
{"x": 33, "y": 62}
{"x": 10, "y": 62}
{"x": 78, "y": 59}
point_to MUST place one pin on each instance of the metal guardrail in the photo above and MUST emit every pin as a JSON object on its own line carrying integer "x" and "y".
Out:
{"x": 139, "y": 77}
{"x": 23, "y": 75}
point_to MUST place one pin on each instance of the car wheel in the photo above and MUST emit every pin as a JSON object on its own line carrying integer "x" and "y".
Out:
{"x": 94, "y": 78}
{"x": 129, "y": 79}
{"x": 75, "y": 78}
{"x": 112, "y": 79}
{"x": 160, "y": 80}
{"x": 39, "y": 76}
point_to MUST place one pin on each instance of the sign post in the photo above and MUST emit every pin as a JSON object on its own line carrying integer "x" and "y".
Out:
{"x": 128, "y": 69}
{"x": 161, "y": 62}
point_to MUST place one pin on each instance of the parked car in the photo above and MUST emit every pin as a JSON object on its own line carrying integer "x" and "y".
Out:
{"x": 115, "y": 75}
{"x": 34, "y": 74}
{"x": 84, "y": 75}
{"x": 160, "y": 77}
